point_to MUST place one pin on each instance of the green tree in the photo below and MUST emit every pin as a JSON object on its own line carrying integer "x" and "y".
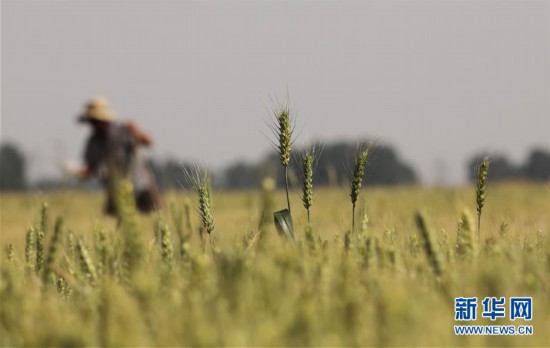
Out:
{"x": 501, "y": 168}
{"x": 333, "y": 166}
{"x": 12, "y": 168}
{"x": 384, "y": 167}
{"x": 242, "y": 175}
{"x": 538, "y": 165}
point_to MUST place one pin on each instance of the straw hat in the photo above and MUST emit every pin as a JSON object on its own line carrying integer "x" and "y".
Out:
{"x": 97, "y": 109}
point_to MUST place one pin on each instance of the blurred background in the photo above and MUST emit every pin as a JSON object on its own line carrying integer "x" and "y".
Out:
{"x": 437, "y": 84}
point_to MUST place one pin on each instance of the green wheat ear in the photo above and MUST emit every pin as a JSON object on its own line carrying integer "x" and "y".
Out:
{"x": 481, "y": 189}
{"x": 282, "y": 128}
{"x": 357, "y": 179}
{"x": 430, "y": 246}
{"x": 30, "y": 248}
{"x": 284, "y": 135}
{"x": 86, "y": 263}
{"x": 308, "y": 160}
{"x": 465, "y": 243}
{"x": 200, "y": 180}
{"x": 102, "y": 245}
{"x": 39, "y": 250}
{"x": 53, "y": 251}
{"x": 164, "y": 236}
{"x": 133, "y": 253}
{"x": 10, "y": 252}
{"x": 205, "y": 207}
{"x": 307, "y": 182}
{"x": 44, "y": 218}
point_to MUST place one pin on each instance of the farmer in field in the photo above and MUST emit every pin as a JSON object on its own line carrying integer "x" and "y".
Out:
{"x": 112, "y": 154}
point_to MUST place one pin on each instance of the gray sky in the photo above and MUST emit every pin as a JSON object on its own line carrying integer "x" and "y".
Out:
{"x": 440, "y": 80}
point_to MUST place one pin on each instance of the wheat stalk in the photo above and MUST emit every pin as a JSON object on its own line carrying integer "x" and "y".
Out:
{"x": 62, "y": 286}
{"x": 86, "y": 263}
{"x": 44, "y": 218}
{"x": 10, "y": 252}
{"x": 30, "y": 248}
{"x": 357, "y": 179}
{"x": 200, "y": 180}
{"x": 465, "y": 243}
{"x": 71, "y": 245}
{"x": 188, "y": 220}
{"x": 164, "y": 235}
{"x": 371, "y": 251}
{"x": 268, "y": 185}
{"x": 307, "y": 182}
{"x": 183, "y": 245}
{"x": 205, "y": 207}
{"x": 39, "y": 250}
{"x": 282, "y": 128}
{"x": 481, "y": 189}
{"x": 430, "y": 246}
{"x": 285, "y": 134}
{"x": 102, "y": 243}
{"x": 133, "y": 251}
{"x": 364, "y": 224}
{"x": 166, "y": 245}
{"x": 52, "y": 253}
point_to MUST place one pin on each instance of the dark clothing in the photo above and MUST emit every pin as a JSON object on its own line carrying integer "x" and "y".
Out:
{"x": 114, "y": 156}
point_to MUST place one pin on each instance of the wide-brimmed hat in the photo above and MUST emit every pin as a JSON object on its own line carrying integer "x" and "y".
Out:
{"x": 97, "y": 109}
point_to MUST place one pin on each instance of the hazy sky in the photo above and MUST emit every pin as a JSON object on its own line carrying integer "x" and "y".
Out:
{"x": 440, "y": 80}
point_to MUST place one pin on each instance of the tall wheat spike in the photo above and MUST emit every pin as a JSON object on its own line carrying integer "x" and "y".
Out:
{"x": 481, "y": 189}
{"x": 357, "y": 180}
{"x": 307, "y": 183}
{"x": 285, "y": 135}
{"x": 205, "y": 207}
{"x": 282, "y": 128}
{"x": 200, "y": 181}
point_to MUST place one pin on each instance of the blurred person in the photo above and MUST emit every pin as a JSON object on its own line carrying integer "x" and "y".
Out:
{"x": 112, "y": 154}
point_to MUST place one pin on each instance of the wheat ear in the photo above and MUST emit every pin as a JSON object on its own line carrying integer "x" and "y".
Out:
{"x": 481, "y": 189}
{"x": 357, "y": 180}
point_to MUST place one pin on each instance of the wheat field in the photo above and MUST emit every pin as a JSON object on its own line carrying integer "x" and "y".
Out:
{"x": 155, "y": 281}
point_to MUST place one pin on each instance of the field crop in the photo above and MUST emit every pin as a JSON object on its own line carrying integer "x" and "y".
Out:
{"x": 71, "y": 276}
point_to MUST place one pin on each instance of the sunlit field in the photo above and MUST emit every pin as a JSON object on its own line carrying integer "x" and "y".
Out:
{"x": 154, "y": 281}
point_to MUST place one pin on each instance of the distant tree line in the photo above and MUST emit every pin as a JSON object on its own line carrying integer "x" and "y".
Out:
{"x": 536, "y": 167}
{"x": 333, "y": 167}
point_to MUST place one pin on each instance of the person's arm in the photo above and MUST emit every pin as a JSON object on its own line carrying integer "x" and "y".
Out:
{"x": 83, "y": 172}
{"x": 141, "y": 136}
